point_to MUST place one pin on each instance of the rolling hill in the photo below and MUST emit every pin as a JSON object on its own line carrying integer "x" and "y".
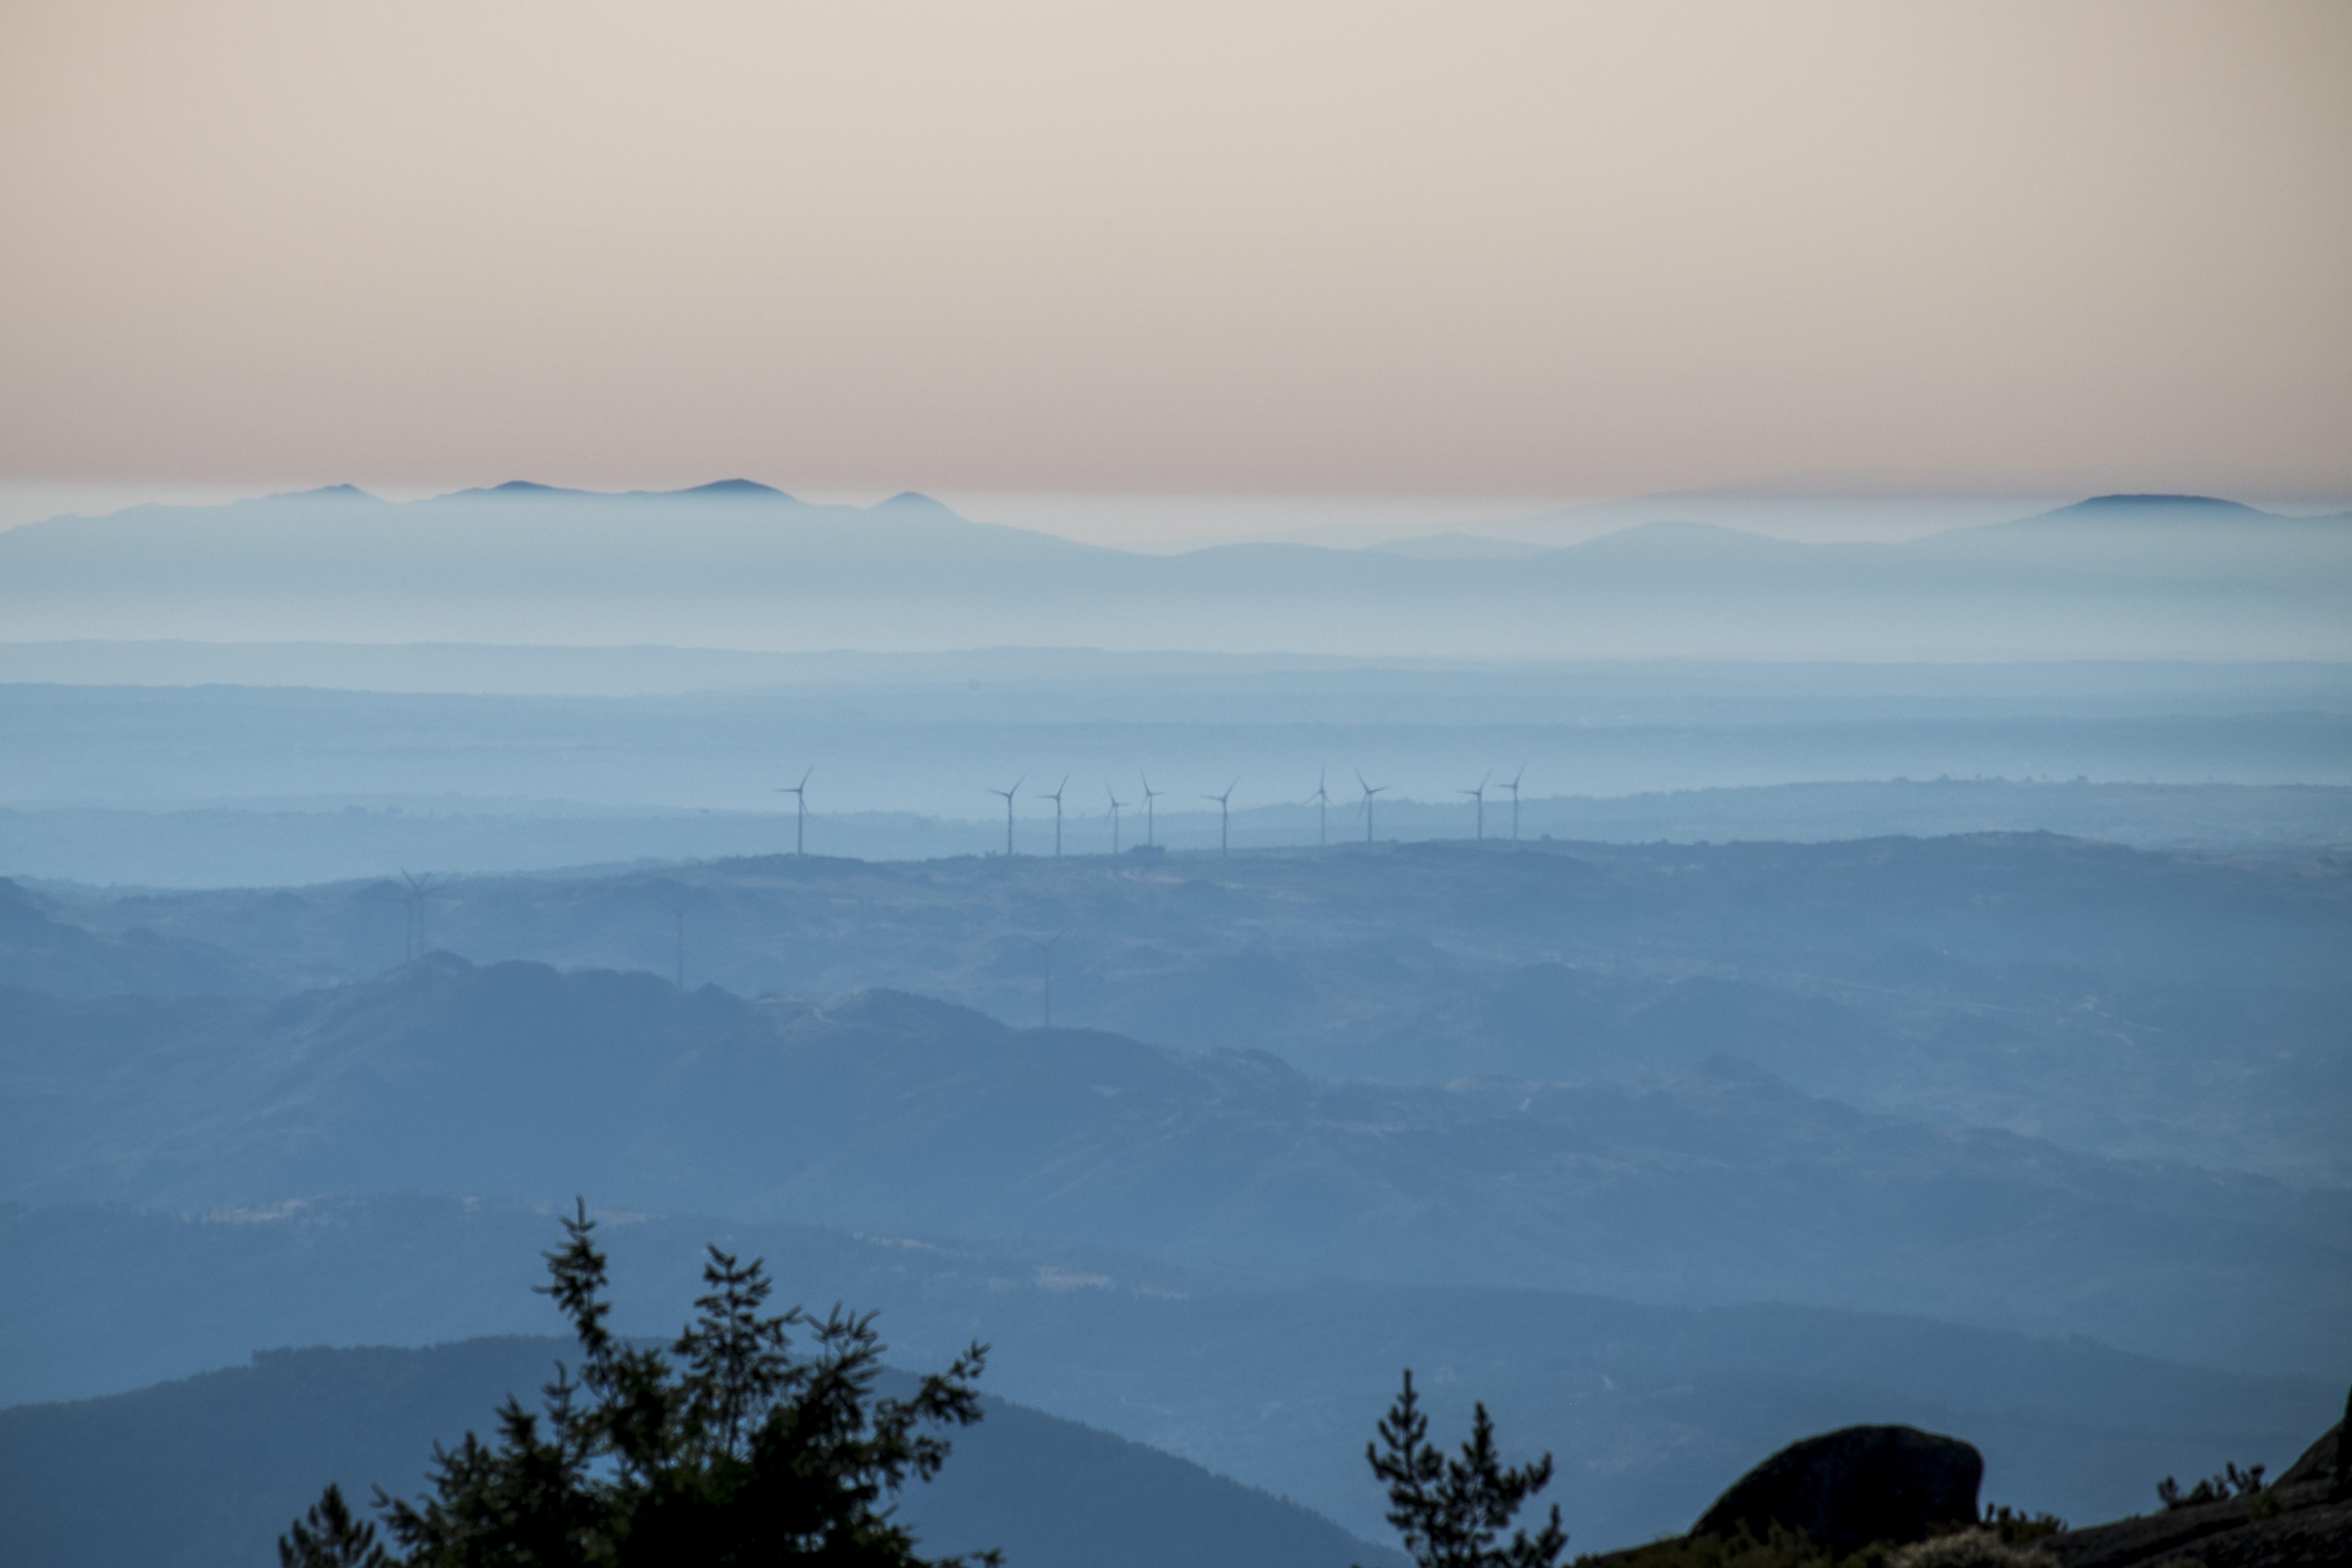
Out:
{"x": 1649, "y": 1409}
{"x": 2091, "y": 996}
{"x": 888, "y": 1112}
{"x": 205, "y": 1472}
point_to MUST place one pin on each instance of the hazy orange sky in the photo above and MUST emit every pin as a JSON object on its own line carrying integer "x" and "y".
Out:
{"x": 1523, "y": 249}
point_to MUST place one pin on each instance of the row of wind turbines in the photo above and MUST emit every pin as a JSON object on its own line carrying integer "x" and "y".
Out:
{"x": 1321, "y": 800}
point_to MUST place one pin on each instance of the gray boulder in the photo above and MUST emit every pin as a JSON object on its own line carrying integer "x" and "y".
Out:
{"x": 1852, "y": 1487}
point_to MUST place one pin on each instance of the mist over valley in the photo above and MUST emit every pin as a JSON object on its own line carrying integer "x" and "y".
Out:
{"x": 1279, "y": 787}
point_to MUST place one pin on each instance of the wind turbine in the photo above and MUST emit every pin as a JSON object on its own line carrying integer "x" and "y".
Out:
{"x": 1365, "y": 805}
{"x": 1115, "y": 804}
{"x": 1479, "y": 795}
{"x": 1056, "y": 797}
{"x": 1222, "y": 816}
{"x": 1046, "y": 946}
{"x": 412, "y": 938}
{"x": 799, "y": 792}
{"x": 1149, "y": 795}
{"x": 678, "y": 912}
{"x": 1514, "y": 788}
{"x": 1321, "y": 801}
{"x": 1008, "y": 795}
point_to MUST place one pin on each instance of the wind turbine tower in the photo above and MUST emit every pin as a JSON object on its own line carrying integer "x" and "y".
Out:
{"x": 799, "y": 792}
{"x": 1115, "y": 804}
{"x": 412, "y": 937}
{"x": 1222, "y": 814}
{"x": 1365, "y": 805}
{"x": 1056, "y": 797}
{"x": 1479, "y": 795}
{"x": 1321, "y": 801}
{"x": 1149, "y": 825}
{"x": 1046, "y": 946}
{"x": 1008, "y": 795}
{"x": 677, "y": 914}
{"x": 1514, "y": 788}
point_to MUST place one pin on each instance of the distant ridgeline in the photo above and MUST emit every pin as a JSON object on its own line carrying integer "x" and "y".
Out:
{"x": 738, "y": 564}
{"x": 205, "y": 1472}
{"x": 1674, "y": 1153}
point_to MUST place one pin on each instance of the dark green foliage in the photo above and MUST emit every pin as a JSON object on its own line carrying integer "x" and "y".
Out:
{"x": 2015, "y": 1527}
{"x": 329, "y": 1536}
{"x": 205, "y": 1473}
{"x": 2231, "y": 1482}
{"x": 726, "y": 1448}
{"x": 1450, "y": 1510}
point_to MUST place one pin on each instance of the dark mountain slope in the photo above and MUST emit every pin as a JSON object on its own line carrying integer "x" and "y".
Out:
{"x": 2101, "y": 997}
{"x": 891, "y": 1113}
{"x": 781, "y": 922}
{"x": 205, "y": 1473}
{"x": 1649, "y": 1408}
{"x": 40, "y": 952}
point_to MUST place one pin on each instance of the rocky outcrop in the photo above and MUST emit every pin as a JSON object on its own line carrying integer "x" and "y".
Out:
{"x": 2227, "y": 1534}
{"x": 1854, "y": 1486}
{"x": 2303, "y": 1519}
{"x": 1848, "y": 1489}
{"x": 2322, "y": 1461}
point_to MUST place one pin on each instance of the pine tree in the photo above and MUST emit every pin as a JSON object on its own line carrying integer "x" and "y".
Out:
{"x": 724, "y": 1448}
{"x": 1450, "y": 1510}
{"x": 329, "y": 1536}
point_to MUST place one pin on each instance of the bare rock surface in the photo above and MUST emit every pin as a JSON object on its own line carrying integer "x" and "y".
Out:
{"x": 1858, "y": 1485}
{"x": 2312, "y": 1531}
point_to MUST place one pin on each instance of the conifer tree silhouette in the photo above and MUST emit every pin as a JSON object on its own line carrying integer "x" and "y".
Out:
{"x": 1450, "y": 1510}
{"x": 329, "y": 1537}
{"x": 725, "y": 1447}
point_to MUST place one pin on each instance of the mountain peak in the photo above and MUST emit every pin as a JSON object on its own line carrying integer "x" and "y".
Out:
{"x": 521, "y": 489}
{"x": 2128, "y": 505}
{"x": 730, "y": 487}
{"x": 913, "y": 501}
{"x": 324, "y": 493}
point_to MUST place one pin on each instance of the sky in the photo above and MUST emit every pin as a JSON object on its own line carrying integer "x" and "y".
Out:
{"x": 1505, "y": 255}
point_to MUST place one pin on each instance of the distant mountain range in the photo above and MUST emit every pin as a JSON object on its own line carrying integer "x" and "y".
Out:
{"x": 1651, "y": 1410}
{"x": 739, "y": 564}
{"x": 2095, "y": 997}
{"x": 890, "y": 1112}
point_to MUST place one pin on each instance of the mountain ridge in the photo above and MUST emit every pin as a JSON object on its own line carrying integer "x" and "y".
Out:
{"x": 899, "y": 1113}
{"x": 754, "y": 568}
{"x": 1649, "y": 1408}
